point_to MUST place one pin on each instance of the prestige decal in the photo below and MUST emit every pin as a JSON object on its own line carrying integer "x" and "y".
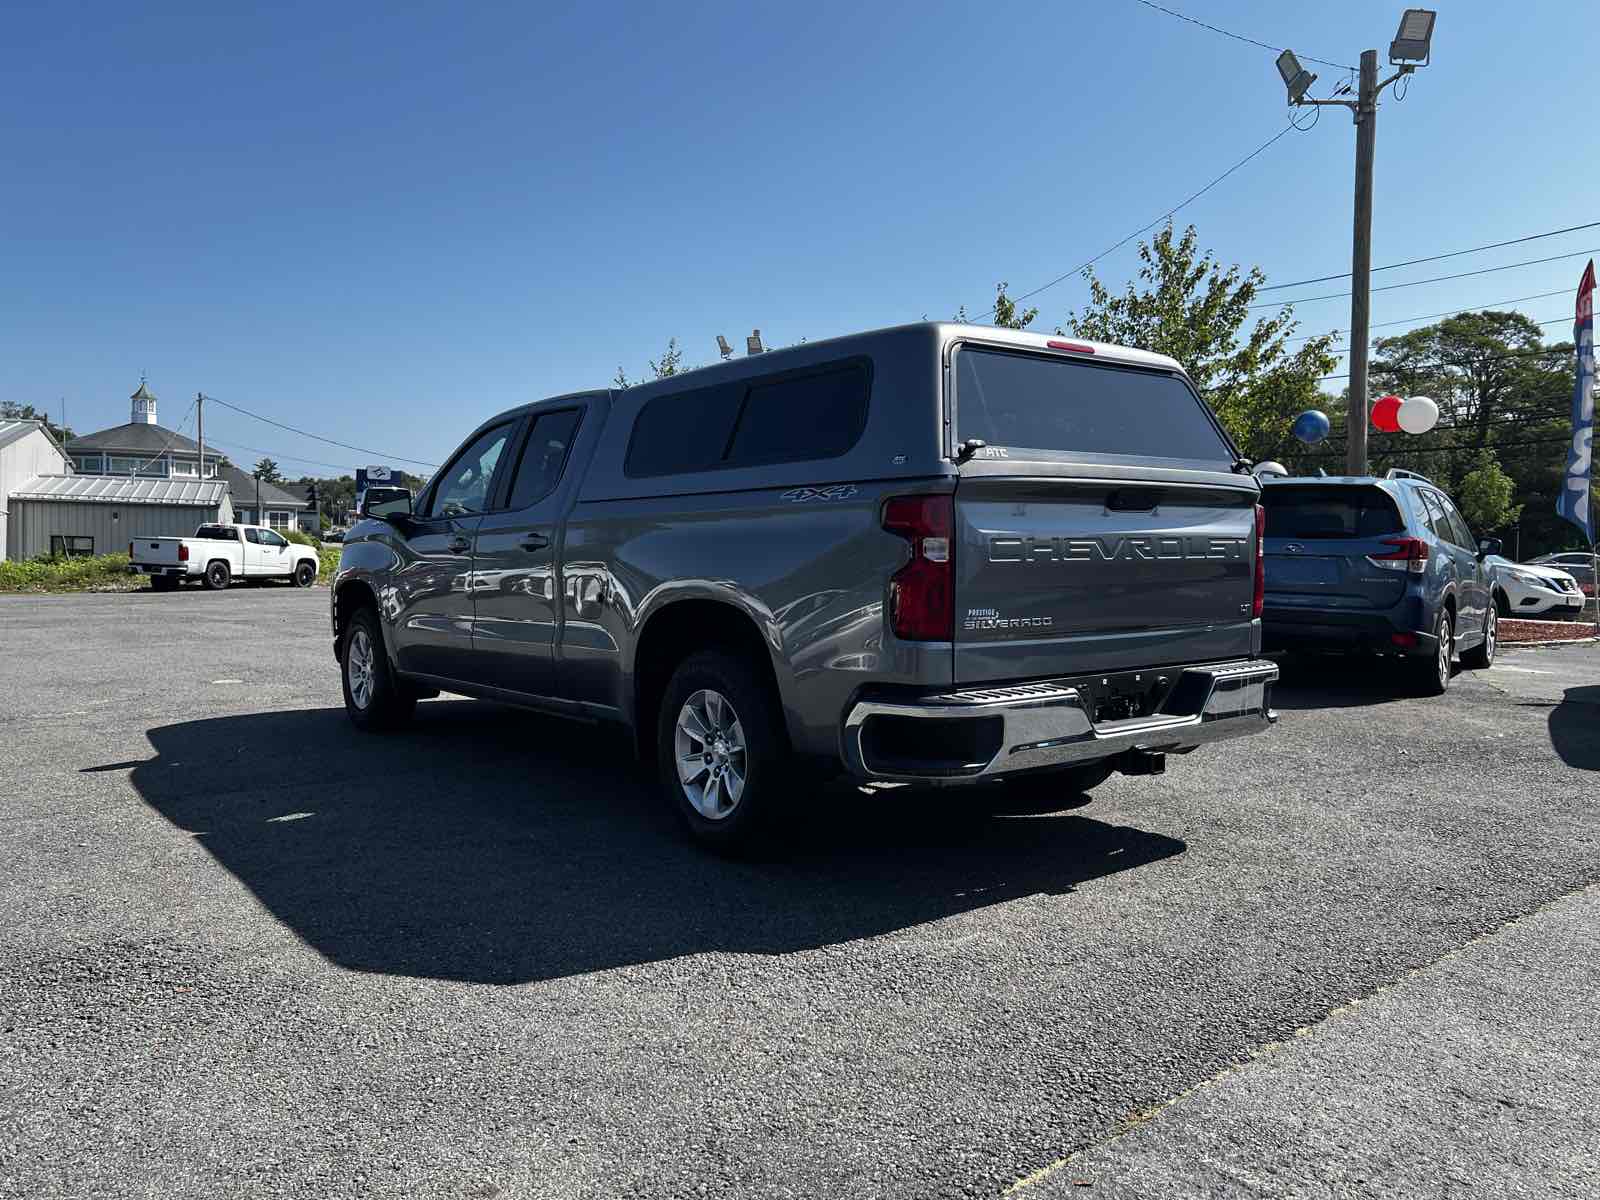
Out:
{"x": 990, "y": 618}
{"x": 1015, "y": 548}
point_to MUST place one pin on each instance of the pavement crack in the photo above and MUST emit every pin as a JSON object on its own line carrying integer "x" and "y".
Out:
{"x": 1267, "y": 1049}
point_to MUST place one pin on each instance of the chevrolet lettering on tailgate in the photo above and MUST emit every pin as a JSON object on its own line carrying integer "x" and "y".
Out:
{"x": 1016, "y": 548}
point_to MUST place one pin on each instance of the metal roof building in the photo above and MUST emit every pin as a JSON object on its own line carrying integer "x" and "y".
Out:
{"x": 27, "y": 449}
{"x": 101, "y": 514}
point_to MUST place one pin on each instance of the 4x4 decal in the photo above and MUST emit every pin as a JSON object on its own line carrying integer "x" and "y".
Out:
{"x": 839, "y": 491}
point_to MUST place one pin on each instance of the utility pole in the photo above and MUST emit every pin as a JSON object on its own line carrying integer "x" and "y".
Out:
{"x": 1355, "y": 429}
{"x": 200, "y": 429}
{"x": 1409, "y": 50}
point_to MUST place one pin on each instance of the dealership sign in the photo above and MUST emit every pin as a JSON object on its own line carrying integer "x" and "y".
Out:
{"x": 1573, "y": 502}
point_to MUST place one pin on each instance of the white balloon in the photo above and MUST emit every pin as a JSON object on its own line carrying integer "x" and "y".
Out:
{"x": 1418, "y": 415}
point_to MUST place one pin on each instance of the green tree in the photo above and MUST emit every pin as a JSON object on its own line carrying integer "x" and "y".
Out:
{"x": 268, "y": 471}
{"x": 10, "y": 410}
{"x": 1005, "y": 312}
{"x": 1187, "y": 305}
{"x": 669, "y": 364}
{"x": 1485, "y": 495}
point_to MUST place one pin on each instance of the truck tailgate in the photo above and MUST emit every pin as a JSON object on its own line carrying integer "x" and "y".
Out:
{"x": 157, "y": 551}
{"x": 1064, "y": 576}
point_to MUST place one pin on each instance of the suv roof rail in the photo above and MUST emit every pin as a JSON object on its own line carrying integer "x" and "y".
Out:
{"x": 1397, "y": 473}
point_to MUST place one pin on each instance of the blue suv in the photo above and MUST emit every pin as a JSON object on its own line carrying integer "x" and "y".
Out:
{"x": 1377, "y": 565}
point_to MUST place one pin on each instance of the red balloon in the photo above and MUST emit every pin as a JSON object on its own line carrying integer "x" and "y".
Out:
{"x": 1386, "y": 414}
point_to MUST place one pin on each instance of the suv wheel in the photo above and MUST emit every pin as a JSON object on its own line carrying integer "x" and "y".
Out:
{"x": 1433, "y": 673}
{"x": 720, "y": 750}
{"x": 373, "y": 697}
{"x": 1481, "y": 656}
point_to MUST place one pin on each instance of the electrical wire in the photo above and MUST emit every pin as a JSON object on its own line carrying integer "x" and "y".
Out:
{"x": 1453, "y": 312}
{"x": 1374, "y": 346}
{"x": 1378, "y": 369}
{"x": 1412, "y": 262}
{"x": 1239, "y": 37}
{"x": 230, "y": 444}
{"x": 173, "y": 437}
{"x": 1085, "y": 265}
{"x": 1532, "y": 262}
{"x": 319, "y": 438}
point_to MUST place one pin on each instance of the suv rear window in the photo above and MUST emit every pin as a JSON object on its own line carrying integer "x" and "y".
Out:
{"x": 794, "y": 417}
{"x": 1312, "y": 511}
{"x": 1028, "y": 400}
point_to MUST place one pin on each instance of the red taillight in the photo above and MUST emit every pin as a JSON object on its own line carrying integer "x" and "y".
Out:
{"x": 1409, "y": 554}
{"x": 1259, "y": 602}
{"x": 1075, "y": 347}
{"x": 922, "y": 593}
{"x": 183, "y": 552}
{"x": 1406, "y": 641}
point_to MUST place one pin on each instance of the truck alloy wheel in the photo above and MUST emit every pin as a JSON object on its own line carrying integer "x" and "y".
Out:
{"x": 305, "y": 575}
{"x": 218, "y": 576}
{"x": 711, "y": 754}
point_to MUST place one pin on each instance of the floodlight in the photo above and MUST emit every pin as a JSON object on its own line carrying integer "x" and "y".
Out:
{"x": 723, "y": 348}
{"x": 1413, "y": 42}
{"x": 1295, "y": 77}
{"x": 752, "y": 344}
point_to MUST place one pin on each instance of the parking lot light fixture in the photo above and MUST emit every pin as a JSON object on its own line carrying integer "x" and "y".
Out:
{"x": 1414, "y": 40}
{"x": 1296, "y": 78}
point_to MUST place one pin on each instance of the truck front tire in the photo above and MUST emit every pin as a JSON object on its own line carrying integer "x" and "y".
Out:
{"x": 305, "y": 574}
{"x": 373, "y": 697}
{"x": 721, "y": 751}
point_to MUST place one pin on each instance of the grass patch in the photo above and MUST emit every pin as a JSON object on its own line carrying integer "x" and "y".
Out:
{"x": 104, "y": 572}
{"x": 328, "y": 555}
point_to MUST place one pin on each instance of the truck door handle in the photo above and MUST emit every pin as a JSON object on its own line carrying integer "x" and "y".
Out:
{"x": 458, "y": 545}
{"x": 535, "y": 541}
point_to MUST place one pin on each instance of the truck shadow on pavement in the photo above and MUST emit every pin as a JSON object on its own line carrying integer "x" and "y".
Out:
{"x": 490, "y": 845}
{"x": 1575, "y": 728}
{"x": 1309, "y": 681}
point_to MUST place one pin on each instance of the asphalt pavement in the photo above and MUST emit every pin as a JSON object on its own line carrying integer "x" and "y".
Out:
{"x": 249, "y": 951}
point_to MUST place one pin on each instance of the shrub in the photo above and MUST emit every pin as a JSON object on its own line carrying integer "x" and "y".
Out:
{"x": 67, "y": 574}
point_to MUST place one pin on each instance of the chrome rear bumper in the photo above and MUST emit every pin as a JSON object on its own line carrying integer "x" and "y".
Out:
{"x": 1048, "y": 724}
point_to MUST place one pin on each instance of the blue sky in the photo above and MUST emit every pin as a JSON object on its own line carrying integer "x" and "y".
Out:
{"x": 383, "y": 223}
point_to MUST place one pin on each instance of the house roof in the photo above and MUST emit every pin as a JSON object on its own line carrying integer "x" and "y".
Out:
{"x": 137, "y": 437}
{"x": 243, "y": 486}
{"x": 116, "y": 489}
{"x": 11, "y": 431}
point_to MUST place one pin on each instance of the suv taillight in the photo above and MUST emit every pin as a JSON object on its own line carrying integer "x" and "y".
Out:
{"x": 1409, "y": 554}
{"x": 922, "y": 593}
{"x": 183, "y": 552}
{"x": 1260, "y": 600}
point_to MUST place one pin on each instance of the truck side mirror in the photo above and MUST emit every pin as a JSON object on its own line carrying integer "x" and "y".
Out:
{"x": 384, "y": 502}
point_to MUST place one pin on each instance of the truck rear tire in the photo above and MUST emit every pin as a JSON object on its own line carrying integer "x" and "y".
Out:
{"x": 721, "y": 751}
{"x": 373, "y": 697}
{"x": 218, "y": 576}
{"x": 163, "y": 583}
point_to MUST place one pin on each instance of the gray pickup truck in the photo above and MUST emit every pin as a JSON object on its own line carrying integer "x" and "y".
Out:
{"x": 934, "y": 554}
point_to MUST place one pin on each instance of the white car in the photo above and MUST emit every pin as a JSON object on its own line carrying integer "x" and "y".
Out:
{"x": 219, "y": 554}
{"x": 1530, "y": 590}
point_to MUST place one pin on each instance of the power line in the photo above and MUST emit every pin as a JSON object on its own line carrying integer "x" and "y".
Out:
{"x": 1411, "y": 262}
{"x": 316, "y": 437}
{"x": 278, "y": 454}
{"x": 1391, "y": 369}
{"x": 1453, "y": 312}
{"x": 1081, "y": 267}
{"x": 1239, "y": 37}
{"x": 1435, "y": 279}
{"x": 173, "y": 437}
{"x": 1540, "y": 324}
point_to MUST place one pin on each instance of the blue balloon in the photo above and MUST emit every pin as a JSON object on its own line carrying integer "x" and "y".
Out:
{"x": 1311, "y": 426}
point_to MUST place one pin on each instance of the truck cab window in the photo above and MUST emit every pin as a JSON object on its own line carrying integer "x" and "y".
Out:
{"x": 465, "y": 487}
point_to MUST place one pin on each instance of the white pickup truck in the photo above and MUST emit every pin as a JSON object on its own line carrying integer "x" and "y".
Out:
{"x": 219, "y": 554}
